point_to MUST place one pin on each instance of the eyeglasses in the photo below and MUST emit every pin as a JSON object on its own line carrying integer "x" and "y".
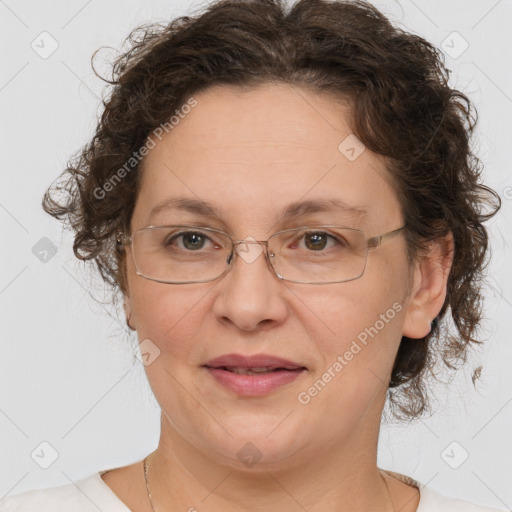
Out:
{"x": 311, "y": 254}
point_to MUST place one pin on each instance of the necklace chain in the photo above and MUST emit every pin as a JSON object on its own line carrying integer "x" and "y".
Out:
{"x": 147, "y": 485}
{"x": 151, "y": 499}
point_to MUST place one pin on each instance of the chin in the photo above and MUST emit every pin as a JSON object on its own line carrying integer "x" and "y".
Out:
{"x": 256, "y": 446}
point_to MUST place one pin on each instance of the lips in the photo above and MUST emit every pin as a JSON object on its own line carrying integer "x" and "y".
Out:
{"x": 253, "y": 376}
{"x": 252, "y": 365}
{"x": 256, "y": 371}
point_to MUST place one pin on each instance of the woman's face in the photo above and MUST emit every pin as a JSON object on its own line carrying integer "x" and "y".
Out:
{"x": 250, "y": 155}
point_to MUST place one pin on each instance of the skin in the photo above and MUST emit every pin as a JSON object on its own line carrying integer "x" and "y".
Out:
{"x": 251, "y": 153}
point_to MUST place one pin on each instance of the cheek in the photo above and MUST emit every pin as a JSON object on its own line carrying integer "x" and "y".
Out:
{"x": 361, "y": 330}
{"x": 169, "y": 315}
{"x": 357, "y": 343}
{"x": 355, "y": 312}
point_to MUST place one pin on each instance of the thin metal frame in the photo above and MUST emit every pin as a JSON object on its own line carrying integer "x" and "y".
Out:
{"x": 371, "y": 243}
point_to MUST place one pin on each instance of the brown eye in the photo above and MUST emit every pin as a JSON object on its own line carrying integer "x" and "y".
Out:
{"x": 193, "y": 240}
{"x": 190, "y": 240}
{"x": 316, "y": 241}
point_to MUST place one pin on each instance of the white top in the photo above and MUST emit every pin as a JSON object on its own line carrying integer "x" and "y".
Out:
{"x": 92, "y": 494}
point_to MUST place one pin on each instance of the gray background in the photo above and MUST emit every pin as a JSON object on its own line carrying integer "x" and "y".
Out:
{"x": 68, "y": 376}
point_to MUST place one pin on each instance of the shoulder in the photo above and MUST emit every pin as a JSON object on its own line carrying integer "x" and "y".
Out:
{"x": 434, "y": 501}
{"x": 89, "y": 494}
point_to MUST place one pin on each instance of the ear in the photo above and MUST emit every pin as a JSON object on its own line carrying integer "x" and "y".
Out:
{"x": 128, "y": 311}
{"x": 428, "y": 287}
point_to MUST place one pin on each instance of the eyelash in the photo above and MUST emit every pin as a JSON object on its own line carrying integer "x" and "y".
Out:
{"x": 176, "y": 236}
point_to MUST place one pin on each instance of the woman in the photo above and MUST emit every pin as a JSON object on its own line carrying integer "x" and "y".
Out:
{"x": 287, "y": 201}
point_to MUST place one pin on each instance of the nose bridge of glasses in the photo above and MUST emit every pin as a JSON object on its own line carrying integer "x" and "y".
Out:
{"x": 247, "y": 251}
{"x": 248, "y": 241}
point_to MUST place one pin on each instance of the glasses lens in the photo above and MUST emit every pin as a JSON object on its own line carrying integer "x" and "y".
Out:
{"x": 180, "y": 254}
{"x": 319, "y": 254}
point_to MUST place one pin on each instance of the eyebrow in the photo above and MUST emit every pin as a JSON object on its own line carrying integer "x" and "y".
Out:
{"x": 292, "y": 210}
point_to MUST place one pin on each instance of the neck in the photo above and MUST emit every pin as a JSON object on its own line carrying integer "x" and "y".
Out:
{"x": 344, "y": 478}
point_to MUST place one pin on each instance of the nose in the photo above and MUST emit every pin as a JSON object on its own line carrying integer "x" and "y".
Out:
{"x": 250, "y": 295}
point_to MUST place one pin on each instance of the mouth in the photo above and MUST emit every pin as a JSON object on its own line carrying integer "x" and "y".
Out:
{"x": 258, "y": 363}
{"x": 253, "y": 376}
{"x": 257, "y": 370}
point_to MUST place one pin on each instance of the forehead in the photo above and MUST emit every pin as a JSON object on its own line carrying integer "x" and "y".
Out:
{"x": 253, "y": 152}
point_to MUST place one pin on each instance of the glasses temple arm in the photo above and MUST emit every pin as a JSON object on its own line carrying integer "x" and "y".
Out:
{"x": 377, "y": 240}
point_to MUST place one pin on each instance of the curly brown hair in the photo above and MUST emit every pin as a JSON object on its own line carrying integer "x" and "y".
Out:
{"x": 402, "y": 107}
